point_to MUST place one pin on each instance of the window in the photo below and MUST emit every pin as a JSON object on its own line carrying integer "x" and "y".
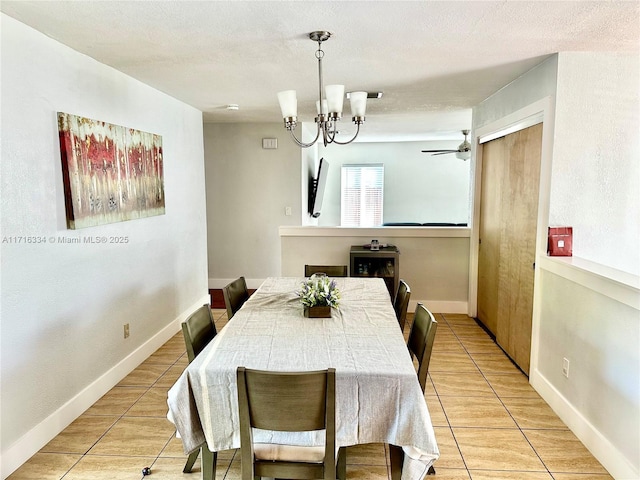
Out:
{"x": 361, "y": 199}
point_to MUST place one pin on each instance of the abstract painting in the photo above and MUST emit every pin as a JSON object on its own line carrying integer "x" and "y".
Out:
{"x": 110, "y": 173}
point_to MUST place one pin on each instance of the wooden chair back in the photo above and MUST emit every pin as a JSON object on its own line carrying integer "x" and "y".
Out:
{"x": 235, "y": 294}
{"x": 291, "y": 402}
{"x": 328, "y": 270}
{"x": 421, "y": 338}
{"x": 401, "y": 303}
{"x": 198, "y": 330}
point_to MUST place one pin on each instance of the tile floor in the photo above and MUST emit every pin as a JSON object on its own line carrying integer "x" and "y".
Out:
{"x": 489, "y": 423}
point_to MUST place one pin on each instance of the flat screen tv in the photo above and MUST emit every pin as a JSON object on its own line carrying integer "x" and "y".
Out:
{"x": 316, "y": 189}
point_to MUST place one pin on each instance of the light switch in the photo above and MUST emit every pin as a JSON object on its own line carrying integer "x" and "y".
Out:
{"x": 287, "y": 211}
{"x": 270, "y": 143}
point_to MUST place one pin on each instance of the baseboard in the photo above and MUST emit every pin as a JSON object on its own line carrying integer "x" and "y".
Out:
{"x": 600, "y": 447}
{"x": 440, "y": 306}
{"x": 36, "y": 438}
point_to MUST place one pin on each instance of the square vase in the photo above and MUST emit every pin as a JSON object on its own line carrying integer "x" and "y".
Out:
{"x": 317, "y": 312}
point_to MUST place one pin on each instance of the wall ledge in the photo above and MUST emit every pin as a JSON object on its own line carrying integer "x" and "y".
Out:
{"x": 375, "y": 232}
{"x": 616, "y": 284}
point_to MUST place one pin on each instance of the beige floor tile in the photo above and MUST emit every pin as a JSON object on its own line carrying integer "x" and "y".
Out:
{"x": 234, "y": 472}
{"x": 533, "y": 413}
{"x": 170, "y": 376}
{"x": 496, "y": 449}
{"x": 95, "y": 467}
{"x": 447, "y": 348}
{"x": 467, "y": 384}
{"x": 452, "y": 363}
{"x": 116, "y": 401}
{"x": 45, "y": 466}
{"x": 514, "y": 384}
{"x": 561, "y": 451}
{"x": 482, "y": 344}
{"x": 166, "y": 355}
{"x": 143, "y": 436}
{"x": 152, "y": 404}
{"x": 367, "y": 454}
{"x": 459, "y": 319}
{"x": 429, "y": 389}
{"x": 495, "y": 363}
{"x": 438, "y": 418}
{"x": 581, "y": 476}
{"x": 479, "y": 412}
{"x": 144, "y": 376}
{"x": 80, "y": 435}
{"x": 449, "y": 453}
{"x": 171, "y": 469}
{"x": 367, "y": 472}
{"x": 449, "y": 474}
{"x": 510, "y": 475}
{"x": 174, "y": 449}
{"x": 468, "y": 330}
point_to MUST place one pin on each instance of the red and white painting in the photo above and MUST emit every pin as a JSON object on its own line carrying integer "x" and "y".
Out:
{"x": 111, "y": 173}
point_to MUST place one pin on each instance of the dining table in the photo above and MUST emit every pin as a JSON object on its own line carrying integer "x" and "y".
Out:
{"x": 378, "y": 397}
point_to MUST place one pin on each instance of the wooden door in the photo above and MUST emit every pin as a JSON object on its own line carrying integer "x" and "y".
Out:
{"x": 493, "y": 161}
{"x": 508, "y": 221}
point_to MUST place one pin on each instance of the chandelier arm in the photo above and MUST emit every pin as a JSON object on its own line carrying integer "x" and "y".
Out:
{"x": 302, "y": 144}
{"x": 354, "y": 137}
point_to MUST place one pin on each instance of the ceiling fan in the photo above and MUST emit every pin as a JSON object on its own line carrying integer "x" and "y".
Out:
{"x": 463, "y": 152}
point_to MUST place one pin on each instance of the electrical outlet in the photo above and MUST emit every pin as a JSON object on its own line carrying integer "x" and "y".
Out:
{"x": 126, "y": 330}
{"x": 565, "y": 367}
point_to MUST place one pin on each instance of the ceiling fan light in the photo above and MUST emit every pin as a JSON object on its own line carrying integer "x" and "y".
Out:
{"x": 288, "y": 103}
{"x": 335, "y": 97}
{"x": 358, "y": 103}
{"x": 464, "y": 155}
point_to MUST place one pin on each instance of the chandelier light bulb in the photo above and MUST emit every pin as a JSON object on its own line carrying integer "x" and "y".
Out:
{"x": 358, "y": 103}
{"x": 288, "y": 103}
{"x": 329, "y": 105}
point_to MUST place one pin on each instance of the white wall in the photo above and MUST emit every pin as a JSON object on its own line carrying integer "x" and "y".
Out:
{"x": 248, "y": 189}
{"x": 64, "y": 305}
{"x": 592, "y": 187}
{"x": 418, "y": 187}
{"x": 596, "y": 161}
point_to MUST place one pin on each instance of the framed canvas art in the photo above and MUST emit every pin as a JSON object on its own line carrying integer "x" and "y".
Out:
{"x": 111, "y": 173}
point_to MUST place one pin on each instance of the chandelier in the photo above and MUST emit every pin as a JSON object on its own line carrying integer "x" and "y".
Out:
{"x": 328, "y": 106}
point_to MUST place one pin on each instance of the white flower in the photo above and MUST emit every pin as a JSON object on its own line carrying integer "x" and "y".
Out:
{"x": 319, "y": 291}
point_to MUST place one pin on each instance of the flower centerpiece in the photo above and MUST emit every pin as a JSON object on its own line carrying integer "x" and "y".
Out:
{"x": 318, "y": 295}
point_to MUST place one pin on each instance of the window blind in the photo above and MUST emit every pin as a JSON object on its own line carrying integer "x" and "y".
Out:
{"x": 361, "y": 195}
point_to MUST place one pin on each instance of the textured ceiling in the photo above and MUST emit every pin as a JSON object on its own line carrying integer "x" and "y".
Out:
{"x": 433, "y": 60}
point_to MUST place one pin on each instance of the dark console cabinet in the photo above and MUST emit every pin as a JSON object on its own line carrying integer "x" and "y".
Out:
{"x": 383, "y": 263}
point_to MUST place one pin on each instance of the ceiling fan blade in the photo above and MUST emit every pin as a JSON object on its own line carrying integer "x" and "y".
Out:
{"x": 439, "y": 152}
{"x": 445, "y": 153}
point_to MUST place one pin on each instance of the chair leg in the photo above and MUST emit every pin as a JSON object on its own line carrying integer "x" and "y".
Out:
{"x": 190, "y": 461}
{"x": 396, "y": 457}
{"x": 209, "y": 460}
{"x": 431, "y": 471}
{"x": 341, "y": 469}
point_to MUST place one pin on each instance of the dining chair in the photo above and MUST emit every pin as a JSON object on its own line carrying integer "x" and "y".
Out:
{"x": 235, "y": 294}
{"x": 288, "y": 402}
{"x": 401, "y": 303}
{"x": 328, "y": 270}
{"x": 198, "y": 330}
{"x": 420, "y": 343}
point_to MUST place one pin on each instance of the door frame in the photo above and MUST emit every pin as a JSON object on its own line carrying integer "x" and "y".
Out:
{"x": 540, "y": 111}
